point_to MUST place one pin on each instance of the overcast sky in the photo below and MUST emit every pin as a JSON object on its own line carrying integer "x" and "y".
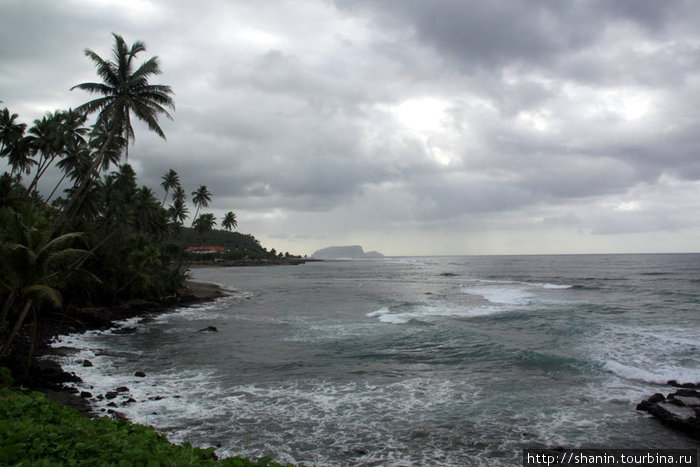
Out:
{"x": 406, "y": 126}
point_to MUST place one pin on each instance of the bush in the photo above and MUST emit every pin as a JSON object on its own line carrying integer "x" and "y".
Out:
{"x": 38, "y": 432}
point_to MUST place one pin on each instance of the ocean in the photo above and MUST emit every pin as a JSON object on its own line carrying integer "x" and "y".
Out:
{"x": 411, "y": 361}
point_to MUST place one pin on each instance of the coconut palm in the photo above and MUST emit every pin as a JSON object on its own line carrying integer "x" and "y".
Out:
{"x": 10, "y": 130}
{"x": 170, "y": 180}
{"x": 75, "y": 164}
{"x": 201, "y": 199}
{"x": 229, "y": 222}
{"x": 31, "y": 266}
{"x": 178, "y": 211}
{"x": 179, "y": 194}
{"x": 204, "y": 223}
{"x": 124, "y": 91}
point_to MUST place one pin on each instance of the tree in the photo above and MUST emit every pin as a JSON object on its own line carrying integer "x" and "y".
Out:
{"x": 31, "y": 266}
{"x": 170, "y": 180}
{"x": 200, "y": 198}
{"x": 124, "y": 91}
{"x": 229, "y": 222}
{"x": 178, "y": 211}
{"x": 204, "y": 223}
{"x": 10, "y": 131}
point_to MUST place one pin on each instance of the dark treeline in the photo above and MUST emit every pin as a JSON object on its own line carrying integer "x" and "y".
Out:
{"x": 97, "y": 237}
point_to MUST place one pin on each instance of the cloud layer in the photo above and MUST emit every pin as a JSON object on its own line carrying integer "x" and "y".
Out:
{"x": 410, "y": 127}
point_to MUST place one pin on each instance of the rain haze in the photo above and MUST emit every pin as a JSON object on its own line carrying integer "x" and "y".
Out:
{"x": 408, "y": 127}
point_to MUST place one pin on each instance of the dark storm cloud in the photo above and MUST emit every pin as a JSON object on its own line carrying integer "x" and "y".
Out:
{"x": 424, "y": 115}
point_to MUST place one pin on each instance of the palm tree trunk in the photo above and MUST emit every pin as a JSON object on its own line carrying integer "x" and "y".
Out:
{"x": 15, "y": 330}
{"x": 56, "y": 187}
{"x": 40, "y": 173}
{"x": 83, "y": 188}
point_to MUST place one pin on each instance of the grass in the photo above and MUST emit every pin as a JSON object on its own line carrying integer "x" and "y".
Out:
{"x": 35, "y": 431}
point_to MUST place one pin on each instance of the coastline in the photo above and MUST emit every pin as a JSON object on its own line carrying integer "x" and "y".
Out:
{"x": 46, "y": 375}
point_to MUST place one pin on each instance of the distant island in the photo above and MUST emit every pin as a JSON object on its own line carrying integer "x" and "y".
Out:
{"x": 345, "y": 252}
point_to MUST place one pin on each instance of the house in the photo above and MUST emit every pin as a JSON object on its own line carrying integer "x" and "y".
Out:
{"x": 205, "y": 250}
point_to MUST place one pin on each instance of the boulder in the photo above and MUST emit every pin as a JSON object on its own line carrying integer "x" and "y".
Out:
{"x": 140, "y": 374}
{"x": 680, "y": 410}
{"x": 209, "y": 329}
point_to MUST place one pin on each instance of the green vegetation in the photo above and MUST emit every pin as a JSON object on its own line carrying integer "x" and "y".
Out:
{"x": 39, "y": 432}
{"x": 99, "y": 238}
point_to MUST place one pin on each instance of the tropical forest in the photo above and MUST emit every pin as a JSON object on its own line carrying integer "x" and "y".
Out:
{"x": 97, "y": 238}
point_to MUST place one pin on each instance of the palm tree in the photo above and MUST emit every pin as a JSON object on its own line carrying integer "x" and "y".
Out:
{"x": 179, "y": 194}
{"x": 170, "y": 180}
{"x": 75, "y": 164}
{"x": 125, "y": 91}
{"x": 204, "y": 223}
{"x": 10, "y": 131}
{"x": 31, "y": 267}
{"x": 229, "y": 222}
{"x": 178, "y": 211}
{"x": 200, "y": 198}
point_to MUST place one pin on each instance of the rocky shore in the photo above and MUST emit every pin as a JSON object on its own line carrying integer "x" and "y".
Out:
{"x": 45, "y": 375}
{"x": 679, "y": 410}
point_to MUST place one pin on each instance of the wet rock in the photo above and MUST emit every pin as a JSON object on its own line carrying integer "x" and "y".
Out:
{"x": 679, "y": 410}
{"x": 87, "y": 363}
{"x": 140, "y": 374}
{"x": 156, "y": 398}
{"x": 130, "y": 400}
{"x": 111, "y": 395}
{"x": 85, "y": 394}
{"x": 122, "y": 389}
{"x": 209, "y": 329}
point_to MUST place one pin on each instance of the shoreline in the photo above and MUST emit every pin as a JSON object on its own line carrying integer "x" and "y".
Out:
{"x": 46, "y": 375}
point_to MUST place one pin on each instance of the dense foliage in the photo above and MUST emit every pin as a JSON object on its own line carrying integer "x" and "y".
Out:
{"x": 97, "y": 238}
{"x": 38, "y": 432}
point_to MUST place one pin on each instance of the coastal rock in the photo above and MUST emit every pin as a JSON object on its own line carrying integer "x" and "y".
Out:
{"x": 87, "y": 363}
{"x": 140, "y": 374}
{"x": 126, "y": 330}
{"x": 111, "y": 395}
{"x": 209, "y": 329}
{"x": 680, "y": 410}
{"x": 122, "y": 389}
{"x": 85, "y": 394}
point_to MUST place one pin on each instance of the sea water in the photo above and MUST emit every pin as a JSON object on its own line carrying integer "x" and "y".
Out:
{"x": 411, "y": 361}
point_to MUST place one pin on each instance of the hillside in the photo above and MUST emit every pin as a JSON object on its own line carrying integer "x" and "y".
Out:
{"x": 238, "y": 245}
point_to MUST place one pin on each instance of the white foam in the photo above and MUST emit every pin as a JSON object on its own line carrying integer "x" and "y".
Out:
{"x": 507, "y": 295}
{"x": 555, "y": 286}
{"x": 651, "y": 354}
{"x": 427, "y": 313}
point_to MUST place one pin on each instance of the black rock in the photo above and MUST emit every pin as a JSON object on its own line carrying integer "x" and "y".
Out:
{"x": 140, "y": 374}
{"x": 85, "y": 394}
{"x": 680, "y": 410}
{"x": 209, "y": 329}
{"x": 122, "y": 389}
{"x": 87, "y": 363}
{"x": 111, "y": 395}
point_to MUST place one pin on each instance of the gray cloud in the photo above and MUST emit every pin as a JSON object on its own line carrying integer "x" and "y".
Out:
{"x": 383, "y": 122}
